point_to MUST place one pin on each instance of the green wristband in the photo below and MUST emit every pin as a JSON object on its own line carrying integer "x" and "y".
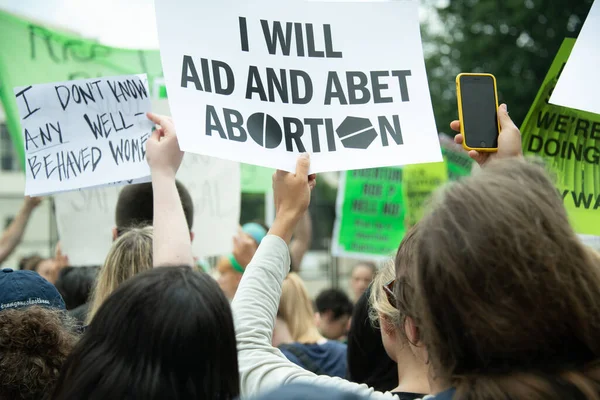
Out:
{"x": 236, "y": 265}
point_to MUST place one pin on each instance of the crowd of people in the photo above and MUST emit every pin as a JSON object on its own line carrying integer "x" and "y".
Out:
{"x": 490, "y": 296}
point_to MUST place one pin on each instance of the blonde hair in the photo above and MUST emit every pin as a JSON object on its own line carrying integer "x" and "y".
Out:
{"x": 129, "y": 255}
{"x": 295, "y": 308}
{"x": 378, "y": 300}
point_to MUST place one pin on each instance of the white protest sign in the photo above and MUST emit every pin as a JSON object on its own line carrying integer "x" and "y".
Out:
{"x": 84, "y": 133}
{"x": 261, "y": 81}
{"x": 579, "y": 83}
{"x": 85, "y": 219}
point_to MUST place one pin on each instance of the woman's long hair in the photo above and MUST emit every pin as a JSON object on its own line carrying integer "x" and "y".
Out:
{"x": 164, "y": 334}
{"x": 129, "y": 255}
{"x": 506, "y": 298}
{"x": 295, "y": 308}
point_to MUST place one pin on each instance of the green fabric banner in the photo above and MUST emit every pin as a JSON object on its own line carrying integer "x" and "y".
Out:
{"x": 31, "y": 54}
{"x": 256, "y": 179}
{"x": 569, "y": 141}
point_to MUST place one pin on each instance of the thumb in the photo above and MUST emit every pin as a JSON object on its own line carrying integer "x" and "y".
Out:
{"x": 504, "y": 118}
{"x": 303, "y": 165}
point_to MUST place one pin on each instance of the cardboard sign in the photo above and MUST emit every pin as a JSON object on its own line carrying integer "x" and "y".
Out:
{"x": 569, "y": 141}
{"x": 31, "y": 54}
{"x": 579, "y": 83}
{"x": 261, "y": 82}
{"x": 84, "y": 133}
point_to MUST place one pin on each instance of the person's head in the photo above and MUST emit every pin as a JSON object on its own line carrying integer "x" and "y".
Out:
{"x": 46, "y": 267}
{"x": 296, "y": 310}
{"x": 368, "y": 361}
{"x": 35, "y": 335}
{"x": 229, "y": 278}
{"x": 75, "y": 285}
{"x": 334, "y": 310}
{"x": 166, "y": 333}
{"x": 27, "y": 263}
{"x": 135, "y": 207}
{"x": 34, "y": 344}
{"x": 129, "y": 255}
{"x": 505, "y": 296}
{"x": 362, "y": 276}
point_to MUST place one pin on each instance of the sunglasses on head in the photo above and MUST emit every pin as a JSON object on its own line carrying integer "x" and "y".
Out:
{"x": 388, "y": 288}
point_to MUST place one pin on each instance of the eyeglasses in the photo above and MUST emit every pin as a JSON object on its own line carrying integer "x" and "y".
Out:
{"x": 388, "y": 288}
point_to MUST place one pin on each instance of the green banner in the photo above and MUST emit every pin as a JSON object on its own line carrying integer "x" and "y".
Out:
{"x": 370, "y": 213}
{"x": 31, "y": 54}
{"x": 256, "y": 179}
{"x": 458, "y": 162}
{"x": 420, "y": 181}
{"x": 569, "y": 141}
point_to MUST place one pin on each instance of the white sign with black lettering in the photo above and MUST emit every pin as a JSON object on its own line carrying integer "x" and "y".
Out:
{"x": 84, "y": 133}
{"x": 261, "y": 81}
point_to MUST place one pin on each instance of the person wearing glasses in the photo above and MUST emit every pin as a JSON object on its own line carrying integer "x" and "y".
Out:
{"x": 413, "y": 380}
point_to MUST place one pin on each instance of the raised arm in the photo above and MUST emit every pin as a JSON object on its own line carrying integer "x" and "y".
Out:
{"x": 171, "y": 244}
{"x": 301, "y": 241}
{"x": 255, "y": 305}
{"x": 14, "y": 233}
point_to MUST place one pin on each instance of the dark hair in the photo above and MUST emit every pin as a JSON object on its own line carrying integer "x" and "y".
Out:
{"x": 334, "y": 300}
{"x": 75, "y": 284}
{"x": 30, "y": 263}
{"x": 34, "y": 343}
{"x": 368, "y": 361}
{"x": 166, "y": 333}
{"x": 135, "y": 207}
{"x": 507, "y": 296}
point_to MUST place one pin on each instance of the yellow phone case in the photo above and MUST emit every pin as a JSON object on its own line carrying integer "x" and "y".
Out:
{"x": 460, "y": 112}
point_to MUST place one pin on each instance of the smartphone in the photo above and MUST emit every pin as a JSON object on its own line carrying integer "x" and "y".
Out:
{"x": 478, "y": 111}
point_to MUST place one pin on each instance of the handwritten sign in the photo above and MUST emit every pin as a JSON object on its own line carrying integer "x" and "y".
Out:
{"x": 32, "y": 54}
{"x": 282, "y": 78}
{"x": 579, "y": 83}
{"x": 85, "y": 219}
{"x": 569, "y": 141}
{"x": 84, "y": 133}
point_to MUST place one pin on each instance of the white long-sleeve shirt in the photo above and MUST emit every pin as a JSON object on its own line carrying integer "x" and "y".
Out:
{"x": 262, "y": 366}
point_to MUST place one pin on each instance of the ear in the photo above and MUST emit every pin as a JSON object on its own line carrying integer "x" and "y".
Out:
{"x": 387, "y": 326}
{"x": 412, "y": 331}
{"x": 115, "y": 234}
{"x": 318, "y": 320}
{"x": 191, "y": 236}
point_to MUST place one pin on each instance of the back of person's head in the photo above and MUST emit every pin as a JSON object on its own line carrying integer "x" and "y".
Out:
{"x": 296, "y": 310}
{"x": 75, "y": 284}
{"x": 35, "y": 335}
{"x": 34, "y": 343}
{"x": 335, "y": 309}
{"x": 135, "y": 206}
{"x": 129, "y": 255}
{"x": 368, "y": 362}
{"x": 506, "y": 298}
{"x": 164, "y": 334}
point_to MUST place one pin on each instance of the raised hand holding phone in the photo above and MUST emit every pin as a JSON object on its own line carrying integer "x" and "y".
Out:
{"x": 509, "y": 139}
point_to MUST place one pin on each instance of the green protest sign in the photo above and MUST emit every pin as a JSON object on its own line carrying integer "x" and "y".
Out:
{"x": 420, "y": 181}
{"x": 256, "y": 179}
{"x": 458, "y": 162}
{"x": 569, "y": 141}
{"x": 370, "y": 212}
{"x": 31, "y": 54}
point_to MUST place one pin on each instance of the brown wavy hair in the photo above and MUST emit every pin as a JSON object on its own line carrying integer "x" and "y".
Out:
{"x": 34, "y": 343}
{"x": 506, "y": 297}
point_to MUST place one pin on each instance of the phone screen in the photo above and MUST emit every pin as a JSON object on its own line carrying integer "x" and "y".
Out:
{"x": 479, "y": 112}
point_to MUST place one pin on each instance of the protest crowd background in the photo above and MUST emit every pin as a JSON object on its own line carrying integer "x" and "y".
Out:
{"x": 244, "y": 214}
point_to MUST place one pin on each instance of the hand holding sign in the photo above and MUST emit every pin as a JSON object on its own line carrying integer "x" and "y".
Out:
{"x": 162, "y": 149}
{"x": 509, "y": 141}
{"x": 292, "y": 196}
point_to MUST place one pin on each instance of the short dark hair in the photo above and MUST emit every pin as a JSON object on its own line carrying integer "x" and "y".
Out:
{"x": 334, "y": 300}
{"x": 35, "y": 343}
{"x": 135, "y": 206}
{"x": 165, "y": 333}
{"x": 75, "y": 284}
